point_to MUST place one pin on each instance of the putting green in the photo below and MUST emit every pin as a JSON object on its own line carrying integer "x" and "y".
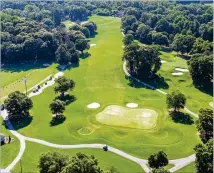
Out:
{"x": 126, "y": 117}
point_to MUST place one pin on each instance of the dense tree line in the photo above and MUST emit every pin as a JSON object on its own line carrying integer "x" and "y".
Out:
{"x": 24, "y": 40}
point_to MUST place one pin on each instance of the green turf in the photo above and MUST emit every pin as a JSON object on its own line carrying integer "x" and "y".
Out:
{"x": 195, "y": 98}
{"x": 67, "y": 23}
{"x": 13, "y": 76}
{"x": 187, "y": 169}
{"x": 8, "y": 151}
{"x": 128, "y": 117}
{"x": 106, "y": 159}
{"x": 100, "y": 78}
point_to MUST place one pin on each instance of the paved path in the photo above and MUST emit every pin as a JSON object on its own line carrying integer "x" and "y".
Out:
{"x": 179, "y": 163}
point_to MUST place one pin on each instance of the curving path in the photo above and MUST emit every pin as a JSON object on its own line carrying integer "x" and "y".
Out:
{"x": 179, "y": 163}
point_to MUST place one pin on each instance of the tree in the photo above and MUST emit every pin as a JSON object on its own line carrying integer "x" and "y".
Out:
{"x": 205, "y": 124}
{"x": 143, "y": 34}
{"x": 160, "y": 170}
{"x": 175, "y": 100}
{"x": 128, "y": 39}
{"x": 204, "y": 157}
{"x": 142, "y": 61}
{"x": 62, "y": 54}
{"x": 158, "y": 160}
{"x": 183, "y": 43}
{"x": 201, "y": 70}
{"x": 81, "y": 163}
{"x": 112, "y": 169}
{"x": 160, "y": 38}
{"x": 63, "y": 84}
{"x": 91, "y": 26}
{"x": 82, "y": 44}
{"x": 52, "y": 162}
{"x": 56, "y": 17}
{"x": 18, "y": 105}
{"x": 57, "y": 107}
{"x": 162, "y": 25}
{"x": 200, "y": 46}
{"x": 86, "y": 32}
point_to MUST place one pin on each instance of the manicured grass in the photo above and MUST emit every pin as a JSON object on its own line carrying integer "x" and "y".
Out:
{"x": 195, "y": 98}
{"x": 100, "y": 78}
{"x": 8, "y": 151}
{"x": 107, "y": 159}
{"x": 187, "y": 169}
{"x": 13, "y": 76}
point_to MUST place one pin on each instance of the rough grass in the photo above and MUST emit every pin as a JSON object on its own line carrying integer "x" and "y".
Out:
{"x": 100, "y": 78}
{"x": 127, "y": 117}
{"x": 8, "y": 151}
{"x": 106, "y": 159}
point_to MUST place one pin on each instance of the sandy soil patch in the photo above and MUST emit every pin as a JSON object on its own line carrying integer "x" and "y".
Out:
{"x": 93, "y": 105}
{"x": 132, "y": 105}
{"x": 211, "y": 104}
{"x": 91, "y": 45}
{"x": 177, "y": 73}
{"x": 128, "y": 117}
{"x": 182, "y": 69}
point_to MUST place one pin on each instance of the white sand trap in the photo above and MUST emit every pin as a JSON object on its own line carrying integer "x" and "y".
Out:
{"x": 93, "y": 105}
{"x": 182, "y": 69}
{"x": 177, "y": 73}
{"x": 46, "y": 65}
{"x": 132, "y": 105}
{"x": 91, "y": 45}
{"x": 162, "y": 61}
{"x": 84, "y": 22}
{"x": 115, "y": 115}
{"x": 211, "y": 104}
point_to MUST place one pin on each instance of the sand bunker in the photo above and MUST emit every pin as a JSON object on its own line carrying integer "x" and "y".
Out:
{"x": 125, "y": 117}
{"x": 211, "y": 104}
{"x": 182, "y": 69}
{"x": 132, "y": 105}
{"x": 91, "y": 45}
{"x": 177, "y": 73}
{"x": 93, "y": 105}
{"x": 162, "y": 61}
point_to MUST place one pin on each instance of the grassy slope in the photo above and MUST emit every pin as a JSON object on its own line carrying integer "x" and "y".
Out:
{"x": 106, "y": 159}
{"x": 13, "y": 77}
{"x": 195, "y": 98}
{"x": 8, "y": 151}
{"x": 100, "y": 78}
{"x": 187, "y": 169}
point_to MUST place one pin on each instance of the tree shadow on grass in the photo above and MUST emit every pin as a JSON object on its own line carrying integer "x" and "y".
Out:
{"x": 85, "y": 55}
{"x": 182, "y": 118}
{"x": 67, "y": 99}
{"x": 57, "y": 120}
{"x": 25, "y": 66}
{"x": 73, "y": 65}
{"x": 93, "y": 35}
{"x": 156, "y": 82}
{"x": 19, "y": 124}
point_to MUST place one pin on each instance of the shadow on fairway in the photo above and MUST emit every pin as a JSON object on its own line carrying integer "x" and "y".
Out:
{"x": 73, "y": 65}
{"x": 67, "y": 99}
{"x": 156, "y": 83}
{"x": 26, "y": 66}
{"x": 19, "y": 124}
{"x": 85, "y": 55}
{"x": 182, "y": 118}
{"x": 93, "y": 35}
{"x": 58, "y": 120}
